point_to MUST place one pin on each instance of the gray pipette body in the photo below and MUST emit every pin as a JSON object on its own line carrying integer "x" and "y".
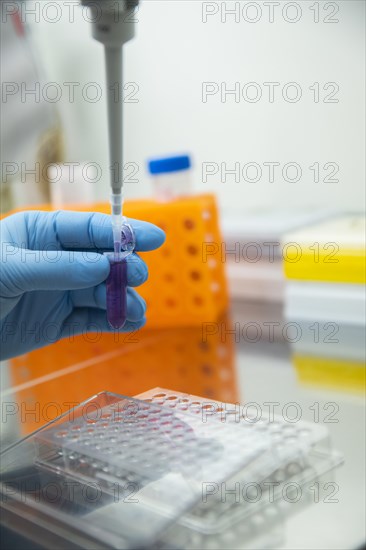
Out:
{"x": 113, "y": 25}
{"x": 114, "y": 72}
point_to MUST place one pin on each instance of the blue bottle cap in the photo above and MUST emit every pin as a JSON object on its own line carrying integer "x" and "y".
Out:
{"x": 169, "y": 164}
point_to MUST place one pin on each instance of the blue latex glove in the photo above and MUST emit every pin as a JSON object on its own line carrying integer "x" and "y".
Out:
{"x": 53, "y": 274}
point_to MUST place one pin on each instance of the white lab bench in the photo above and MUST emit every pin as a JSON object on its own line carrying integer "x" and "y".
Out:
{"x": 266, "y": 374}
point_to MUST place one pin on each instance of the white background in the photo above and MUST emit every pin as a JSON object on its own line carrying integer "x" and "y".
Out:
{"x": 174, "y": 52}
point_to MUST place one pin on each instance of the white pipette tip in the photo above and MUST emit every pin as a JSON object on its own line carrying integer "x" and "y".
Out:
{"x": 117, "y": 222}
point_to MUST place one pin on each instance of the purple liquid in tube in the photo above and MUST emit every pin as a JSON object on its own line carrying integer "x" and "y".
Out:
{"x": 117, "y": 290}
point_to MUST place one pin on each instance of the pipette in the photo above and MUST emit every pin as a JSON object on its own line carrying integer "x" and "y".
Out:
{"x": 113, "y": 25}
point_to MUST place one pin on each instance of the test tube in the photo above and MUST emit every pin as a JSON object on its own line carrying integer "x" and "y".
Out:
{"x": 117, "y": 290}
{"x": 117, "y": 280}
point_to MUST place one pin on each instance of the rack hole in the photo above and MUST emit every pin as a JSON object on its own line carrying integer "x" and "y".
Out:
{"x": 192, "y": 249}
{"x": 198, "y": 301}
{"x": 189, "y": 224}
{"x": 204, "y": 346}
{"x": 195, "y": 275}
{"x": 207, "y": 370}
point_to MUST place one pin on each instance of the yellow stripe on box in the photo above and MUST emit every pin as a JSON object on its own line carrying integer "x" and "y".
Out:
{"x": 339, "y": 374}
{"x": 345, "y": 266}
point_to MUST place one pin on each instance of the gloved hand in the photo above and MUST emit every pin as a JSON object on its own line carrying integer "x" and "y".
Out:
{"x": 52, "y": 277}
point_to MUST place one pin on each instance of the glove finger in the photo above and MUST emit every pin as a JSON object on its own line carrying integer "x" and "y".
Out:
{"x": 57, "y": 270}
{"x": 96, "y": 298}
{"x": 91, "y": 320}
{"x": 93, "y": 230}
{"x": 137, "y": 270}
{"x": 65, "y": 270}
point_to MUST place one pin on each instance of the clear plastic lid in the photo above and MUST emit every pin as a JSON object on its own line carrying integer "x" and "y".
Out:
{"x": 121, "y": 472}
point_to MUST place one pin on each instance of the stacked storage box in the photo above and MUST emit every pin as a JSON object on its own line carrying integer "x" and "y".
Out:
{"x": 253, "y": 259}
{"x": 326, "y": 301}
